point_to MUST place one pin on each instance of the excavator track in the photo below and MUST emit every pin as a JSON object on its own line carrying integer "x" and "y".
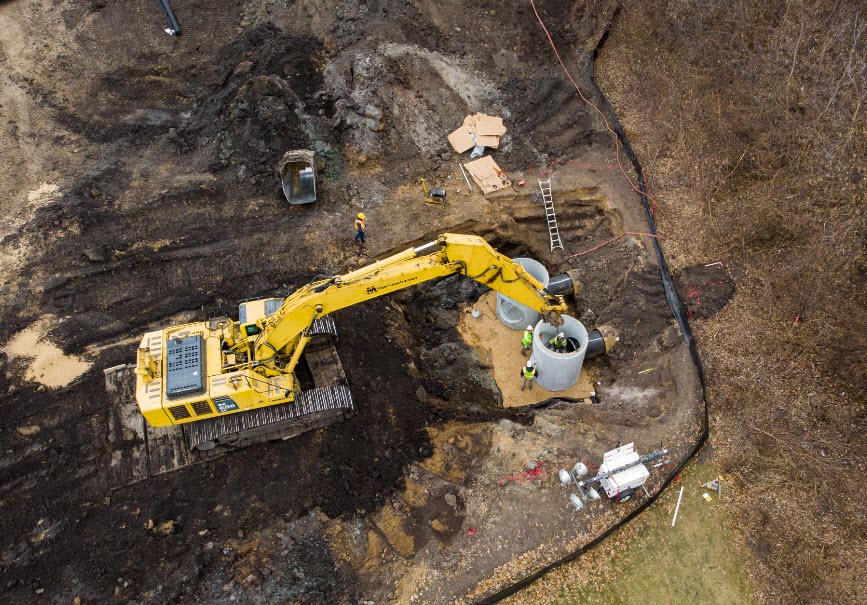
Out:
{"x": 312, "y": 409}
{"x": 323, "y": 332}
{"x": 139, "y": 451}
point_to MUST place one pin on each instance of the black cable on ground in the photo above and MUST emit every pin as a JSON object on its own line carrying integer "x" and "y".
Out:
{"x": 174, "y": 28}
{"x": 682, "y": 322}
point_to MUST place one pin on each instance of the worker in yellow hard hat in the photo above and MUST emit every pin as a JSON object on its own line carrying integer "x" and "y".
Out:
{"x": 359, "y": 227}
{"x": 558, "y": 343}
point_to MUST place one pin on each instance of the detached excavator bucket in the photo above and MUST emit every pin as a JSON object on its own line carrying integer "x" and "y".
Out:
{"x": 298, "y": 174}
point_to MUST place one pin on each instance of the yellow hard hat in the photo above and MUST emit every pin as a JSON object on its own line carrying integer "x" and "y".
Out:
{"x": 361, "y": 215}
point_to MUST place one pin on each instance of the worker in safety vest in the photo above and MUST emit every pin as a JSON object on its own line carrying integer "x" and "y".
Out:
{"x": 528, "y": 375}
{"x": 558, "y": 343}
{"x": 359, "y": 228}
{"x": 527, "y": 340}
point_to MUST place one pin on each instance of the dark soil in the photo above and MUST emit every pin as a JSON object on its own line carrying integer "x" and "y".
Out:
{"x": 703, "y": 289}
{"x": 251, "y": 100}
{"x": 347, "y": 468}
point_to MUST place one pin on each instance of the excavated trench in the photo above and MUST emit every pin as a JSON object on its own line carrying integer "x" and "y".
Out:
{"x": 409, "y": 371}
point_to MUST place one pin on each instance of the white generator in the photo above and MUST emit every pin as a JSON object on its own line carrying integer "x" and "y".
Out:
{"x": 620, "y": 484}
{"x": 621, "y": 473}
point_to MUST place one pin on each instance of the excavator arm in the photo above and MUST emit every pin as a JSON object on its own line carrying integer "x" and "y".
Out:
{"x": 450, "y": 254}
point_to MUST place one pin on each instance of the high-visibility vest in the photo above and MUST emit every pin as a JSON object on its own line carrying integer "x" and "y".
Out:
{"x": 528, "y": 338}
{"x": 557, "y": 342}
{"x": 528, "y": 374}
{"x": 359, "y": 224}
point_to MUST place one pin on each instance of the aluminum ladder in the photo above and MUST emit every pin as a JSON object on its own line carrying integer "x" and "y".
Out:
{"x": 548, "y": 201}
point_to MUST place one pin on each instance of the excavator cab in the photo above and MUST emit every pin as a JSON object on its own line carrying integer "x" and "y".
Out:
{"x": 251, "y": 311}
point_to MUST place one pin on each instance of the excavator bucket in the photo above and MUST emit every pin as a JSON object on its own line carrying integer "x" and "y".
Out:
{"x": 140, "y": 451}
{"x": 298, "y": 175}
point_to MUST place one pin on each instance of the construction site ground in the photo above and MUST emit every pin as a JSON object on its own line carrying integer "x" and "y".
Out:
{"x": 140, "y": 191}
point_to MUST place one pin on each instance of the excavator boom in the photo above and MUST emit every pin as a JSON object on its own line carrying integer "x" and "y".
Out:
{"x": 468, "y": 255}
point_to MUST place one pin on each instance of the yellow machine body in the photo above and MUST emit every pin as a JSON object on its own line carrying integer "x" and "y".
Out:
{"x": 437, "y": 195}
{"x": 199, "y": 370}
{"x": 230, "y": 386}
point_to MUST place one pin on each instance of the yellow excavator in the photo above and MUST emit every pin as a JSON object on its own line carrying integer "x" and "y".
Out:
{"x": 232, "y": 383}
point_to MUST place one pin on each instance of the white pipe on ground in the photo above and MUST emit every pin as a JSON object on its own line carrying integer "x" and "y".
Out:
{"x": 677, "y": 508}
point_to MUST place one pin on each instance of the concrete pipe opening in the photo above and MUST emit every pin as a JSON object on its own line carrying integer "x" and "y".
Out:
{"x": 514, "y": 314}
{"x": 559, "y": 371}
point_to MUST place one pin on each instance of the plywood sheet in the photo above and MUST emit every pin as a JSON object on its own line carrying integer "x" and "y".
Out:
{"x": 461, "y": 140}
{"x": 488, "y": 141}
{"x": 485, "y": 129}
{"x": 487, "y": 174}
{"x": 489, "y": 125}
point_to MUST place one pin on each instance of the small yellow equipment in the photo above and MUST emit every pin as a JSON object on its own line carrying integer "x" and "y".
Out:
{"x": 437, "y": 195}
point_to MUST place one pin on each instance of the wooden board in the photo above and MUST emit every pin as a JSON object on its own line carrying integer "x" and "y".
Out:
{"x": 486, "y": 129}
{"x": 489, "y": 125}
{"x": 488, "y": 141}
{"x": 461, "y": 140}
{"x": 487, "y": 174}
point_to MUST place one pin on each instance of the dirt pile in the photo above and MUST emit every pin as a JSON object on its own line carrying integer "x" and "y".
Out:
{"x": 448, "y": 371}
{"x": 261, "y": 95}
{"x": 409, "y": 95}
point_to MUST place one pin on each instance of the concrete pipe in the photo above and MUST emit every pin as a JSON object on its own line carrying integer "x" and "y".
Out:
{"x": 514, "y": 314}
{"x": 565, "y": 284}
{"x": 600, "y": 341}
{"x": 559, "y": 371}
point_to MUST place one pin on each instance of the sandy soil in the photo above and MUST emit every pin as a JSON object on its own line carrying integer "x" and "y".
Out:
{"x": 46, "y": 362}
{"x": 500, "y": 347}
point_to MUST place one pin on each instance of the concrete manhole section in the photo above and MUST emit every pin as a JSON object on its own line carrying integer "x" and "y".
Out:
{"x": 516, "y": 315}
{"x": 559, "y": 371}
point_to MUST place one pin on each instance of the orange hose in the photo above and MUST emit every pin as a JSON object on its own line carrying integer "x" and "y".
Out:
{"x": 586, "y": 100}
